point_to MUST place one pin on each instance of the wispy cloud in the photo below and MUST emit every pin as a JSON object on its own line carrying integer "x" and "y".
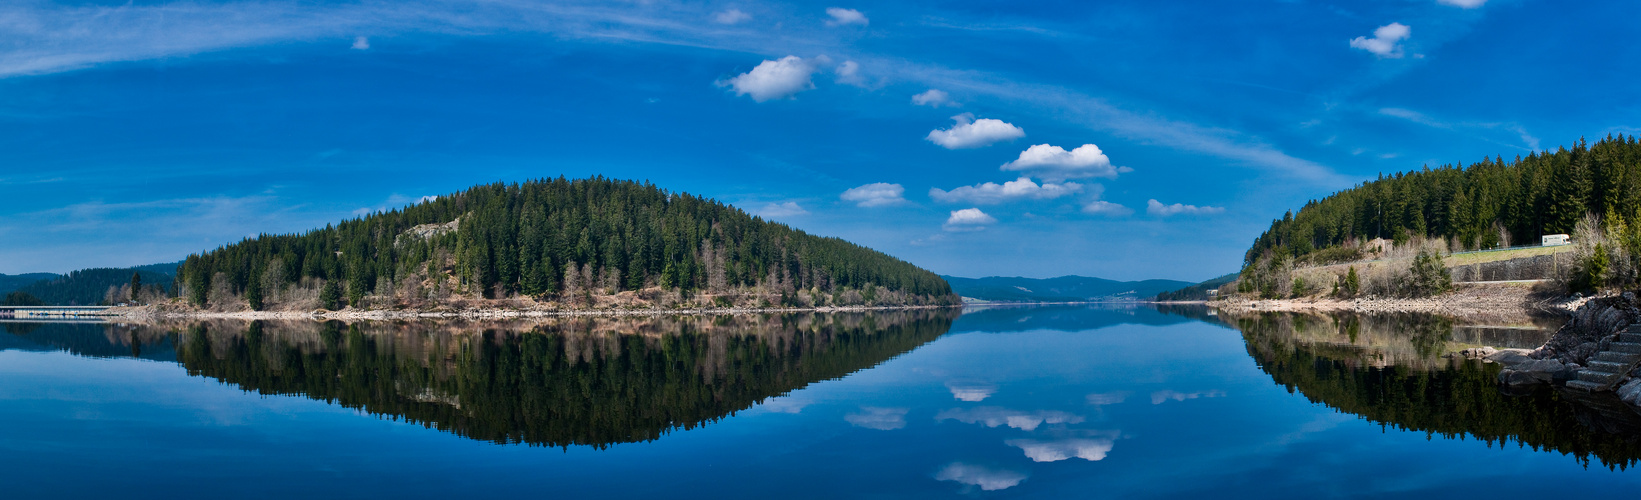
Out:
{"x": 843, "y": 17}
{"x": 37, "y": 37}
{"x": 849, "y": 74}
{"x": 1528, "y": 141}
{"x": 731, "y": 16}
{"x": 1106, "y": 208}
{"x": 1159, "y": 209}
{"x": 934, "y": 98}
{"x": 1466, "y": 4}
{"x": 780, "y": 210}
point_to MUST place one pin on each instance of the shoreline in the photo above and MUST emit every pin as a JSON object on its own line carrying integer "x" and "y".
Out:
{"x": 140, "y": 313}
{"x": 1467, "y": 301}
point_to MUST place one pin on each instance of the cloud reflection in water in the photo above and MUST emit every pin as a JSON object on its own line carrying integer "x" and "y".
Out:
{"x": 986, "y": 478}
{"x": 992, "y": 416}
{"x": 883, "y": 419}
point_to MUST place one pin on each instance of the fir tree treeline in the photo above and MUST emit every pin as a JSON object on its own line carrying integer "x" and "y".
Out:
{"x": 555, "y": 239}
{"x": 1489, "y": 204}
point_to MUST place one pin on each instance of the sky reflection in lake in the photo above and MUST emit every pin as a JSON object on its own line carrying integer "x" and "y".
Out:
{"x": 1025, "y": 402}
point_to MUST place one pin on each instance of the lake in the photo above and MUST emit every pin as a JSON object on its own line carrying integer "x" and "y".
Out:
{"x": 1036, "y": 402}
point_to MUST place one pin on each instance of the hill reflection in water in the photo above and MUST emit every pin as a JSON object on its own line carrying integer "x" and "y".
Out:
{"x": 591, "y": 381}
{"x": 1390, "y": 369}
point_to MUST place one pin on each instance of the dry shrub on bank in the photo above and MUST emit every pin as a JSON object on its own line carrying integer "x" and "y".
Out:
{"x": 1391, "y": 274}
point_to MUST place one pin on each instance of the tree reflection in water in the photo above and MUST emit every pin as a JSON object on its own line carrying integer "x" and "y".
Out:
{"x": 1389, "y": 369}
{"x": 592, "y": 381}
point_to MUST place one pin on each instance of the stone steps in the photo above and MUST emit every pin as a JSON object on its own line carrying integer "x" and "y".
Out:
{"x": 1608, "y": 367}
{"x": 1629, "y": 347}
{"x": 1586, "y": 385}
{"x": 1617, "y": 357}
{"x": 1606, "y": 379}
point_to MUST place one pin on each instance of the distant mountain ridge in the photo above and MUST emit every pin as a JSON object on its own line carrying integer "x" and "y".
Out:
{"x": 1198, "y": 291}
{"x": 1061, "y": 289}
{"x": 10, "y": 282}
{"x": 86, "y": 286}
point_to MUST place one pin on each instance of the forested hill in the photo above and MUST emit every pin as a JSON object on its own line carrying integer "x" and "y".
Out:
{"x": 570, "y": 242}
{"x": 1485, "y": 205}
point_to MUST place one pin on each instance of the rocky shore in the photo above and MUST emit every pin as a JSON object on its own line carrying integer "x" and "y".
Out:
{"x": 1590, "y": 343}
{"x": 1481, "y": 302}
{"x": 1581, "y": 356}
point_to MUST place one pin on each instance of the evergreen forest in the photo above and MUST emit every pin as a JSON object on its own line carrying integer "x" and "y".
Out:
{"x": 574, "y": 243}
{"x": 1489, "y": 204}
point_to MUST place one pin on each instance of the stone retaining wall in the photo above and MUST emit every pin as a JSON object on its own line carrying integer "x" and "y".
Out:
{"x": 1525, "y": 268}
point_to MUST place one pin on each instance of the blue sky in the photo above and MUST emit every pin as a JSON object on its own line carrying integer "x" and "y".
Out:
{"x": 1121, "y": 139}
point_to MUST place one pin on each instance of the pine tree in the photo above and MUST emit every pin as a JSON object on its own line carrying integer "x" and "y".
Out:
{"x": 253, "y": 294}
{"x": 330, "y": 296}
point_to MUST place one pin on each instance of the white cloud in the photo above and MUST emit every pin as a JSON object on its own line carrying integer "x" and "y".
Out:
{"x": 877, "y": 194}
{"x": 971, "y": 133}
{"x": 1107, "y": 398}
{"x": 1101, "y": 207}
{"x": 968, "y": 219}
{"x": 1156, "y": 208}
{"x": 1054, "y": 163}
{"x": 1386, "y": 41}
{"x": 779, "y": 210}
{"x": 777, "y": 79}
{"x": 849, "y": 74}
{"x": 731, "y": 16}
{"x": 992, "y": 416}
{"x": 1466, "y": 4}
{"x": 986, "y": 478}
{"x": 971, "y": 391}
{"x": 1164, "y": 396}
{"x": 992, "y": 193}
{"x": 1092, "y": 450}
{"x": 934, "y": 98}
{"x": 361, "y": 43}
{"x": 842, "y": 16}
{"x": 883, "y": 419}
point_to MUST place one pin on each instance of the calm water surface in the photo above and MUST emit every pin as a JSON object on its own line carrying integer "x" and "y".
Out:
{"x": 1015, "y": 402}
